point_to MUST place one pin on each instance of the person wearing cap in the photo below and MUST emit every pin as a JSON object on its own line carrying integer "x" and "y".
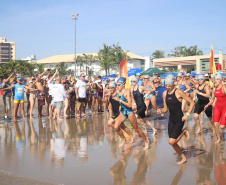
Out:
{"x": 172, "y": 99}
{"x": 125, "y": 99}
{"x": 58, "y": 97}
{"x": 151, "y": 98}
{"x": 80, "y": 90}
{"x": 138, "y": 97}
{"x": 19, "y": 89}
{"x": 114, "y": 110}
{"x": 219, "y": 111}
{"x": 203, "y": 94}
{"x": 190, "y": 83}
{"x": 7, "y": 96}
{"x": 181, "y": 84}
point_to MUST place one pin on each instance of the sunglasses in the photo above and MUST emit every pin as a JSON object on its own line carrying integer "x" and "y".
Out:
{"x": 119, "y": 85}
{"x": 83, "y": 76}
{"x": 111, "y": 87}
{"x": 133, "y": 81}
{"x": 146, "y": 78}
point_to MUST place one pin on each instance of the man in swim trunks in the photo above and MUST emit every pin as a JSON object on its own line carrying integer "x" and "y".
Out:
{"x": 172, "y": 99}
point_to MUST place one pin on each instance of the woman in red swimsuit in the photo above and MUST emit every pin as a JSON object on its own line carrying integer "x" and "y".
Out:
{"x": 219, "y": 110}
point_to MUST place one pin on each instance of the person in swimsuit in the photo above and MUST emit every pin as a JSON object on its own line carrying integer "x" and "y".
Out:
{"x": 138, "y": 97}
{"x": 219, "y": 111}
{"x": 106, "y": 97}
{"x": 203, "y": 93}
{"x": 151, "y": 97}
{"x": 19, "y": 96}
{"x": 94, "y": 97}
{"x": 89, "y": 94}
{"x": 100, "y": 95}
{"x": 126, "y": 112}
{"x": 115, "y": 111}
{"x": 172, "y": 99}
{"x": 181, "y": 84}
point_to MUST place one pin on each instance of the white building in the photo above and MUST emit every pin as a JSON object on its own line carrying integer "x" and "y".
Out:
{"x": 134, "y": 61}
{"x": 32, "y": 58}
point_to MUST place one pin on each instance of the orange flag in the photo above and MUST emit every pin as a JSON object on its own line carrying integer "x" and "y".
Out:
{"x": 123, "y": 72}
{"x": 212, "y": 62}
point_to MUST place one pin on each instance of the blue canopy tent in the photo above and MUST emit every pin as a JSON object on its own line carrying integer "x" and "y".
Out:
{"x": 193, "y": 74}
{"x": 134, "y": 71}
{"x": 104, "y": 78}
{"x": 169, "y": 73}
{"x": 111, "y": 76}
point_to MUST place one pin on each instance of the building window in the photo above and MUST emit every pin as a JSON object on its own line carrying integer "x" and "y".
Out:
{"x": 142, "y": 62}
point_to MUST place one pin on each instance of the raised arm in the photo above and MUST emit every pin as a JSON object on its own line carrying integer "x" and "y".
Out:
{"x": 5, "y": 81}
{"x": 7, "y": 88}
{"x": 51, "y": 79}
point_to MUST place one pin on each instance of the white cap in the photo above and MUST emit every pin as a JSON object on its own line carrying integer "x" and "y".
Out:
{"x": 134, "y": 79}
{"x": 206, "y": 75}
{"x": 179, "y": 75}
{"x": 169, "y": 80}
{"x": 201, "y": 77}
{"x": 218, "y": 76}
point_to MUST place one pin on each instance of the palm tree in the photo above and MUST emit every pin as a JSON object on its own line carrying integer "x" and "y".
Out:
{"x": 118, "y": 54}
{"x": 106, "y": 58}
{"x": 158, "y": 54}
{"x": 62, "y": 67}
{"x": 11, "y": 66}
{"x": 79, "y": 61}
{"x": 40, "y": 68}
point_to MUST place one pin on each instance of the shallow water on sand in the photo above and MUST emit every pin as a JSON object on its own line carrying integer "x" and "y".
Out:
{"x": 85, "y": 151}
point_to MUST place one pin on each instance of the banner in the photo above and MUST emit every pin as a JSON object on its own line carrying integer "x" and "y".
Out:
{"x": 212, "y": 62}
{"x": 123, "y": 72}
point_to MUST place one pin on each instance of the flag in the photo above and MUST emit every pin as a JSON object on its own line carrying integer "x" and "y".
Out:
{"x": 123, "y": 72}
{"x": 218, "y": 67}
{"x": 212, "y": 62}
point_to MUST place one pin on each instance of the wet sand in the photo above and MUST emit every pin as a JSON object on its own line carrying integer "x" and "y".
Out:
{"x": 85, "y": 151}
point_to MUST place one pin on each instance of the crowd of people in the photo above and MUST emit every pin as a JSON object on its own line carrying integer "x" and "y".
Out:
{"x": 73, "y": 96}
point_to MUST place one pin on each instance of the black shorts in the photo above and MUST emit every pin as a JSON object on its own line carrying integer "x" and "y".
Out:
{"x": 50, "y": 98}
{"x": 175, "y": 128}
{"x": 200, "y": 107}
{"x": 141, "y": 111}
{"x": 82, "y": 100}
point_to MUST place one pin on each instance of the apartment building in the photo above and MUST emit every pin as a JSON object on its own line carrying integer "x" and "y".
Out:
{"x": 7, "y": 50}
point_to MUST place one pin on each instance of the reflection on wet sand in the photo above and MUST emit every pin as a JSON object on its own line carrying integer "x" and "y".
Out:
{"x": 77, "y": 143}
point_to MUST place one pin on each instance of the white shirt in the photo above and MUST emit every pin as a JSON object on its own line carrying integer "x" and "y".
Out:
{"x": 49, "y": 84}
{"x": 58, "y": 92}
{"x": 81, "y": 89}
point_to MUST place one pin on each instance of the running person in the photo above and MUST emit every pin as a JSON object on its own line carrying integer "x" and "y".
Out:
{"x": 151, "y": 97}
{"x": 203, "y": 94}
{"x": 172, "y": 99}
{"x": 115, "y": 111}
{"x": 219, "y": 111}
{"x": 138, "y": 97}
{"x": 126, "y": 112}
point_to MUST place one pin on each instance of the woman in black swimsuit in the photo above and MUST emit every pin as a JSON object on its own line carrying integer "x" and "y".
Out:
{"x": 172, "y": 99}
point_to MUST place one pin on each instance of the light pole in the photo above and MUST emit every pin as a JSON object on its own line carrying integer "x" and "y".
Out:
{"x": 75, "y": 17}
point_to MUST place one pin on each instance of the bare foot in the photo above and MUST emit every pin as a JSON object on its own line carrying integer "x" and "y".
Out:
{"x": 154, "y": 132}
{"x": 32, "y": 117}
{"x": 132, "y": 138}
{"x": 187, "y": 135}
{"x": 122, "y": 143}
{"x": 59, "y": 119}
{"x": 218, "y": 141}
{"x": 83, "y": 115}
{"x": 183, "y": 160}
{"x": 66, "y": 116}
{"x": 198, "y": 131}
{"x": 146, "y": 146}
{"x": 24, "y": 118}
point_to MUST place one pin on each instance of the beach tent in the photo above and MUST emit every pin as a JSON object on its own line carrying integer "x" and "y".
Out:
{"x": 193, "y": 74}
{"x": 151, "y": 71}
{"x": 169, "y": 73}
{"x": 134, "y": 71}
{"x": 111, "y": 76}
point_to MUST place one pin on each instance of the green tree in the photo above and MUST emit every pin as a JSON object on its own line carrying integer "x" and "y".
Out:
{"x": 181, "y": 51}
{"x": 79, "y": 61}
{"x": 63, "y": 68}
{"x": 118, "y": 54}
{"x": 106, "y": 58}
{"x": 158, "y": 54}
{"x": 40, "y": 68}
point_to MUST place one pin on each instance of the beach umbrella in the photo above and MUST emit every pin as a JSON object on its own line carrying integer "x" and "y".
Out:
{"x": 134, "y": 71}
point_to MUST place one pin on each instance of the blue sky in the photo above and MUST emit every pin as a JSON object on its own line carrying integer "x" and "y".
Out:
{"x": 45, "y": 27}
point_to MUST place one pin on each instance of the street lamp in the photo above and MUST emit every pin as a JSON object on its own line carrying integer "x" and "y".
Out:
{"x": 75, "y": 17}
